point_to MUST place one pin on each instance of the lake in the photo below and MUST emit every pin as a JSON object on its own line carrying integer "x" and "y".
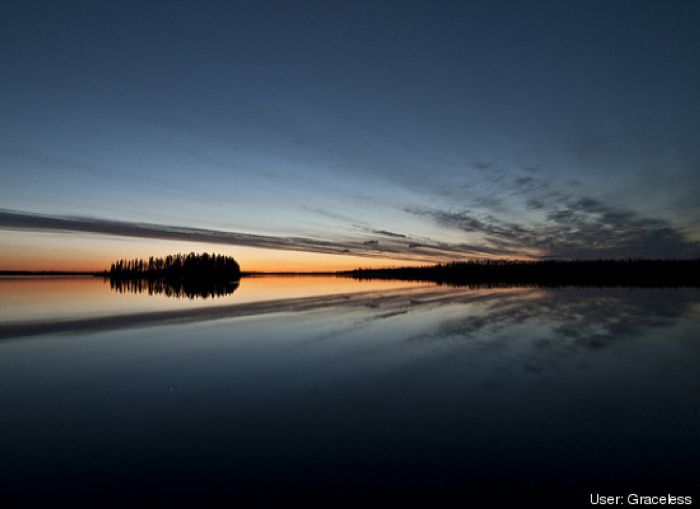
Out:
{"x": 324, "y": 386}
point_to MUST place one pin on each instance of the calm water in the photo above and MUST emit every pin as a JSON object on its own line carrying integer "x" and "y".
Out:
{"x": 326, "y": 385}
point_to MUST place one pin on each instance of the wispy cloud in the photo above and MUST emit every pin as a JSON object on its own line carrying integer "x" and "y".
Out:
{"x": 574, "y": 227}
{"x": 554, "y": 224}
{"x": 389, "y": 234}
{"x": 395, "y": 246}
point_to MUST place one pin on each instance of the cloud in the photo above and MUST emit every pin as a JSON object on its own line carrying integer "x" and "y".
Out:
{"x": 395, "y": 247}
{"x": 519, "y": 214}
{"x": 389, "y": 234}
{"x": 481, "y": 165}
{"x": 575, "y": 227}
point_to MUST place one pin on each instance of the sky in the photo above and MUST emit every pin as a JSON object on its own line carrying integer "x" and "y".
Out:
{"x": 332, "y": 135}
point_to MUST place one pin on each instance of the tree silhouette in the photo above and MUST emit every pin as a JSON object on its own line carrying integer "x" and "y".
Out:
{"x": 179, "y": 267}
{"x": 552, "y": 273}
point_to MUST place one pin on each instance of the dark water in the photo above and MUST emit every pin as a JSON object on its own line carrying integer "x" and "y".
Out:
{"x": 328, "y": 388}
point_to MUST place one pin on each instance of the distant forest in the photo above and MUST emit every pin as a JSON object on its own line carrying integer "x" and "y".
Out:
{"x": 191, "y": 267}
{"x": 550, "y": 273}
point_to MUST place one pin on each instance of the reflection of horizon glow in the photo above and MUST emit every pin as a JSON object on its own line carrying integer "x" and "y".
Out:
{"x": 59, "y": 297}
{"x": 319, "y": 138}
{"x": 585, "y": 317}
{"x": 572, "y": 378}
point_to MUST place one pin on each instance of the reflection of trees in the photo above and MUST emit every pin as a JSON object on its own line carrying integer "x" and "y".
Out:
{"x": 179, "y": 289}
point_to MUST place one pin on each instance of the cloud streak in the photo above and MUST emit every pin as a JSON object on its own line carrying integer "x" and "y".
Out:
{"x": 567, "y": 226}
{"x": 574, "y": 227}
{"x": 400, "y": 248}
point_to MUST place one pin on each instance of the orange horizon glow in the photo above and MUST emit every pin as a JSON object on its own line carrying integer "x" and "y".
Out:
{"x": 279, "y": 262}
{"x": 23, "y": 251}
{"x": 263, "y": 266}
{"x": 285, "y": 262}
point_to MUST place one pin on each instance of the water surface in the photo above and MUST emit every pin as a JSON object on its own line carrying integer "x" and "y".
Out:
{"x": 329, "y": 385}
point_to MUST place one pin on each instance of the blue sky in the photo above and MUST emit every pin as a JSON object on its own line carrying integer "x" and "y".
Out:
{"x": 424, "y": 131}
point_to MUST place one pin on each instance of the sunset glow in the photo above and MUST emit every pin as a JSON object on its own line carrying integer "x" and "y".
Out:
{"x": 407, "y": 134}
{"x": 299, "y": 252}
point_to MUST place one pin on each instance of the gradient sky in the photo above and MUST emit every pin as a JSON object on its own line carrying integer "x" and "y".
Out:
{"x": 379, "y": 132}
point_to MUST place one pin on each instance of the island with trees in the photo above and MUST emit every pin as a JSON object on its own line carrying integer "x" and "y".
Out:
{"x": 192, "y": 275}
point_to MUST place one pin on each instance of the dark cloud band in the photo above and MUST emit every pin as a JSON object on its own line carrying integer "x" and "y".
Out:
{"x": 399, "y": 248}
{"x": 575, "y": 228}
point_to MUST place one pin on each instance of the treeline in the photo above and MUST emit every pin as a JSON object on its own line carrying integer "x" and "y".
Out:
{"x": 550, "y": 273}
{"x": 199, "y": 267}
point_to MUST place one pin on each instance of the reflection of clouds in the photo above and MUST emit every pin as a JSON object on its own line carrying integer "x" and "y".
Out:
{"x": 504, "y": 331}
{"x": 385, "y": 302}
{"x": 591, "y": 319}
{"x": 502, "y": 338}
